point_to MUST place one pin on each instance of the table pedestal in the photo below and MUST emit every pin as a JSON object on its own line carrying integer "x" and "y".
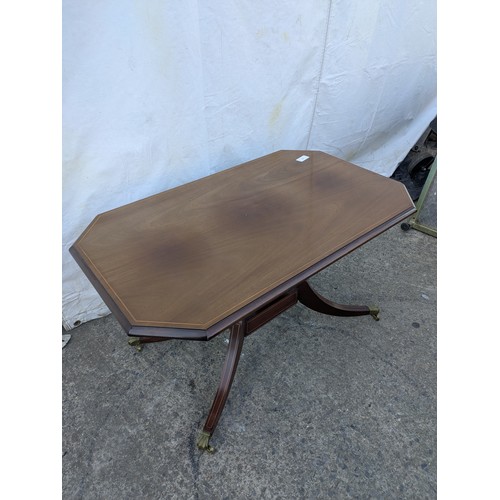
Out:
{"x": 302, "y": 293}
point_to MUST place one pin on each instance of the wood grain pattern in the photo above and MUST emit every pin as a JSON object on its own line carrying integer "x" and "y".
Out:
{"x": 193, "y": 257}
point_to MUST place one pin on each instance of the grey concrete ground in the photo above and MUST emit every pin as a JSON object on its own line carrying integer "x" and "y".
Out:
{"x": 321, "y": 407}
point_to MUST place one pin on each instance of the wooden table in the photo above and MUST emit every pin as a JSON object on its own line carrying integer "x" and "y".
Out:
{"x": 234, "y": 250}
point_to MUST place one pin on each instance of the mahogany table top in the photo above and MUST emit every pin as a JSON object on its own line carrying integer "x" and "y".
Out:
{"x": 190, "y": 261}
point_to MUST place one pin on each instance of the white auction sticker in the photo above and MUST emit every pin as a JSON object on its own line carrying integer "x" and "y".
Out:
{"x": 303, "y": 158}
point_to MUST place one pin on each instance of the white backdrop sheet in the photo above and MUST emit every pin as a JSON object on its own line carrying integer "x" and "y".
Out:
{"x": 158, "y": 93}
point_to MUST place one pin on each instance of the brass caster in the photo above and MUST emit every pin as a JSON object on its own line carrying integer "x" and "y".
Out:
{"x": 203, "y": 442}
{"x": 375, "y": 313}
{"x": 135, "y": 342}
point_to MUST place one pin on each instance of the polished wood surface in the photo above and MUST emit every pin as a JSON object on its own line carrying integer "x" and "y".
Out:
{"x": 194, "y": 257}
{"x": 236, "y": 338}
{"x": 313, "y": 300}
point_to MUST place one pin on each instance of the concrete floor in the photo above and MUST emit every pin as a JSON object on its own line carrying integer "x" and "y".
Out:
{"x": 321, "y": 406}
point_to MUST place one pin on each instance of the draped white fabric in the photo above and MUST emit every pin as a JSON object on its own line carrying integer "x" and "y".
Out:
{"x": 157, "y": 93}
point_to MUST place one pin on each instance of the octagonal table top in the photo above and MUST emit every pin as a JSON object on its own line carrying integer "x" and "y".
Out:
{"x": 189, "y": 261}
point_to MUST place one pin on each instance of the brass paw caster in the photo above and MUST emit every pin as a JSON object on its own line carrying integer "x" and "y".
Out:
{"x": 375, "y": 313}
{"x": 135, "y": 342}
{"x": 203, "y": 442}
